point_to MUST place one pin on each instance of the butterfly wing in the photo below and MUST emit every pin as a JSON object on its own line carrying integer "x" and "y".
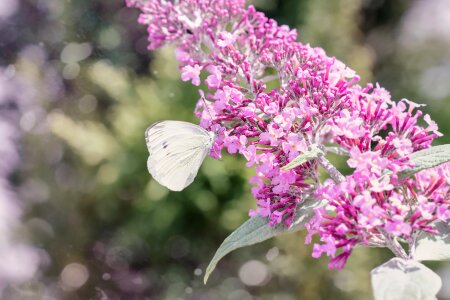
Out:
{"x": 177, "y": 150}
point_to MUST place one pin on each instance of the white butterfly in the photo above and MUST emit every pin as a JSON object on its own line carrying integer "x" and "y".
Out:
{"x": 177, "y": 150}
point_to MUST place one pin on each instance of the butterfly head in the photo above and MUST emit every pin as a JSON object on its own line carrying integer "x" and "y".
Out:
{"x": 212, "y": 137}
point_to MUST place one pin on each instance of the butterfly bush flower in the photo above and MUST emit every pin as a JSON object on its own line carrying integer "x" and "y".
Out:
{"x": 270, "y": 97}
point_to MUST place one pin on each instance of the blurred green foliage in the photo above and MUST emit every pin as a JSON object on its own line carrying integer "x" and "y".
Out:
{"x": 88, "y": 195}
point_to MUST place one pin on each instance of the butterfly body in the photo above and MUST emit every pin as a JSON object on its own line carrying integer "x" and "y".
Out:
{"x": 176, "y": 152}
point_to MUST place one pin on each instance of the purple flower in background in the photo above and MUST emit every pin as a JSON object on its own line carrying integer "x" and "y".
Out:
{"x": 19, "y": 260}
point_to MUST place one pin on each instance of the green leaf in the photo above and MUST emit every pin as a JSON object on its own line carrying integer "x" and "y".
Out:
{"x": 426, "y": 159}
{"x": 434, "y": 246}
{"x": 313, "y": 152}
{"x": 257, "y": 229}
{"x": 400, "y": 279}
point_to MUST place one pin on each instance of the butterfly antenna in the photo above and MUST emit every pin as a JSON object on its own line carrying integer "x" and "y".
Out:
{"x": 206, "y": 107}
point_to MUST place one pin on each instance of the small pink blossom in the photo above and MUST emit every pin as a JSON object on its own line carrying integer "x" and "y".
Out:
{"x": 372, "y": 217}
{"x": 348, "y": 125}
{"x": 238, "y": 144}
{"x": 191, "y": 73}
{"x": 273, "y": 135}
{"x": 412, "y": 105}
{"x": 250, "y": 154}
{"x": 283, "y": 182}
{"x": 266, "y": 165}
{"x": 397, "y": 226}
{"x": 329, "y": 247}
{"x": 286, "y": 118}
{"x": 272, "y": 108}
{"x": 379, "y": 185}
{"x": 263, "y": 209}
{"x": 213, "y": 81}
{"x": 367, "y": 161}
{"x": 341, "y": 71}
{"x": 432, "y": 126}
{"x": 181, "y": 55}
{"x": 403, "y": 146}
{"x": 225, "y": 39}
{"x": 426, "y": 208}
{"x": 293, "y": 145}
{"x": 248, "y": 111}
{"x": 228, "y": 94}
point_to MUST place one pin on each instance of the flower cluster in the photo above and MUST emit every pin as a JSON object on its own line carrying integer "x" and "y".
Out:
{"x": 376, "y": 205}
{"x": 270, "y": 97}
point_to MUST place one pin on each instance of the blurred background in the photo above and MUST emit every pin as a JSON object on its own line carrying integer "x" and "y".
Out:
{"x": 80, "y": 217}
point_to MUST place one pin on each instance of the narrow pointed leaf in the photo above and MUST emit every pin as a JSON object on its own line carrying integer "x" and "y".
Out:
{"x": 400, "y": 279}
{"x": 428, "y": 158}
{"x": 313, "y": 152}
{"x": 434, "y": 246}
{"x": 257, "y": 229}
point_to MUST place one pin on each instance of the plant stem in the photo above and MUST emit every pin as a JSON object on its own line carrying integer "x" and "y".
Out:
{"x": 332, "y": 171}
{"x": 337, "y": 150}
{"x": 394, "y": 246}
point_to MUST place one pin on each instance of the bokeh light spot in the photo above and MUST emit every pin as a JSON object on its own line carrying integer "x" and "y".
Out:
{"x": 74, "y": 52}
{"x": 106, "y": 276}
{"x": 74, "y": 276}
{"x": 272, "y": 253}
{"x": 71, "y": 71}
{"x": 239, "y": 295}
{"x": 254, "y": 273}
{"x": 8, "y": 8}
{"x": 28, "y": 121}
{"x": 87, "y": 104}
{"x": 110, "y": 38}
{"x": 198, "y": 272}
